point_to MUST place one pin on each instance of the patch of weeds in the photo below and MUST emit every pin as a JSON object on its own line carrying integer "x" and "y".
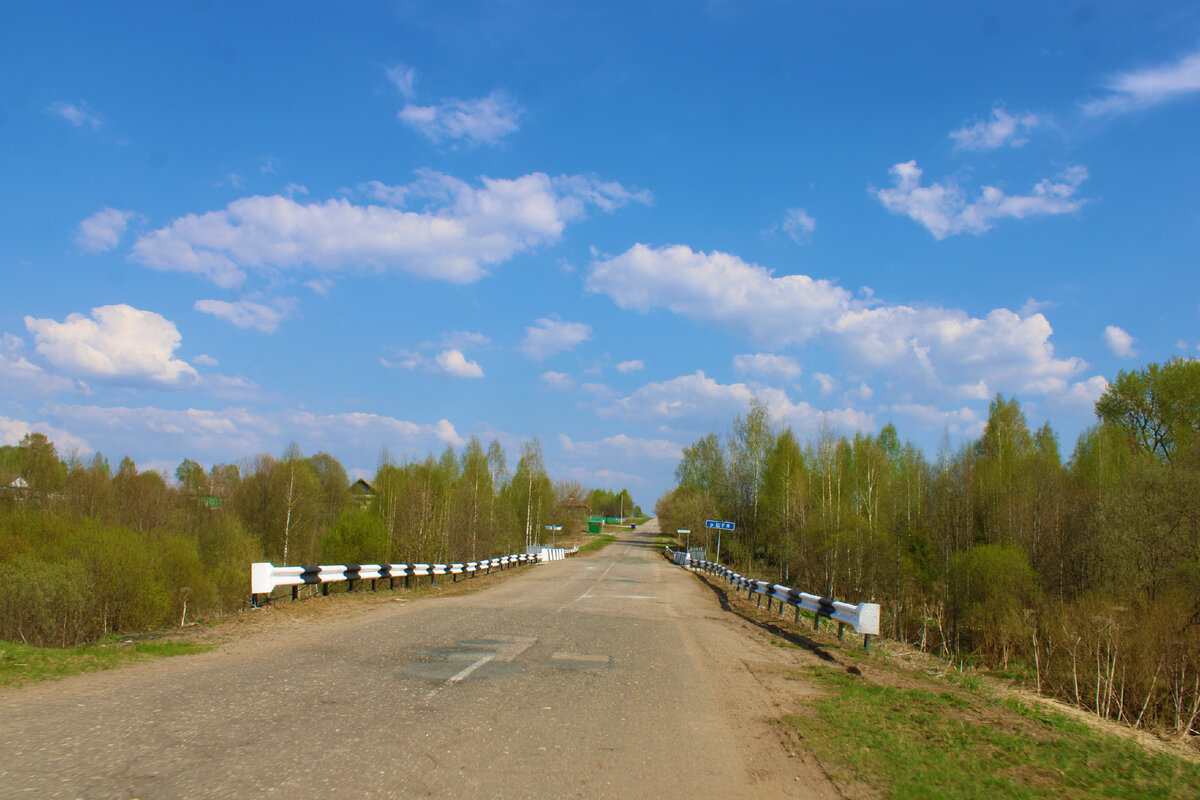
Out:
{"x": 595, "y": 544}
{"x": 915, "y": 743}
{"x": 22, "y": 664}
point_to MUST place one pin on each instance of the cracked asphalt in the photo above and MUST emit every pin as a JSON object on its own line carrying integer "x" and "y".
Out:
{"x": 610, "y": 673}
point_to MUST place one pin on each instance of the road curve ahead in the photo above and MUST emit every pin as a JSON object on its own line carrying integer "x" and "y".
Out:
{"x": 613, "y": 673}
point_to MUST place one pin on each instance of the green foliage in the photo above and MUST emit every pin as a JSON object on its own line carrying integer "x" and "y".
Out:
{"x": 930, "y": 743}
{"x": 358, "y": 537}
{"x": 1084, "y": 576}
{"x": 22, "y": 664}
{"x": 1157, "y": 407}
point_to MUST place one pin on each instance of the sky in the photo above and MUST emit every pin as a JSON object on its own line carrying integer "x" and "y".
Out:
{"x": 229, "y": 226}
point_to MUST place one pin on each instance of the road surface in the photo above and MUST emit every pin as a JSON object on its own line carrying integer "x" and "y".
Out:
{"x": 612, "y": 673}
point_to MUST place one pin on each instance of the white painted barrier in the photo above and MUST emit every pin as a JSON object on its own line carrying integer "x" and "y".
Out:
{"x": 863, "y": 617}
{"x": 265, "y": 577}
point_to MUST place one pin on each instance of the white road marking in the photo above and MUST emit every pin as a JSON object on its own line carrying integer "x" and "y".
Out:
{"x": 464, "y": 673}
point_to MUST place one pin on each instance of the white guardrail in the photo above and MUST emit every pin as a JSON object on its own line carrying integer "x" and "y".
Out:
{"x": 864, "y": 617}
{"x": 264, "y": 576}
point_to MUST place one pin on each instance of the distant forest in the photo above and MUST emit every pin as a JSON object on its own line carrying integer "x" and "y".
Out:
{"x": 86, "y": 553}
{"x": 1081, "y": 578}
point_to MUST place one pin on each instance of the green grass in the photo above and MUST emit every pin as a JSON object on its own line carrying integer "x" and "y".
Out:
{"x": 21, "y": 663}
{"x": 595, "y": 544}
{"x": 937, "y": 743}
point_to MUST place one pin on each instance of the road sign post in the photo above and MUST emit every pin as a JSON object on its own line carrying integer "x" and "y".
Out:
{"x": 721, "y": 526}
{"x": 688, "y": 531}
{"x": 552, "y": 529}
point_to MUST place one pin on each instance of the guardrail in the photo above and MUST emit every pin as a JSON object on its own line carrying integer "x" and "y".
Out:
{"x": 863, "y": 617}
{"x": 265, "y": 577}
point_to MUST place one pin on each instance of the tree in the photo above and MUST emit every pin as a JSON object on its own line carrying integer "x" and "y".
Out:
{"x": 191, "y": 477}
{"x": 39, "y": 464}
{"x": 1158, "y": 407}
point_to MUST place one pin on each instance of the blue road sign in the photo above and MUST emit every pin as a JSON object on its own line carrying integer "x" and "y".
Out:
{"x": 716, "y": 523}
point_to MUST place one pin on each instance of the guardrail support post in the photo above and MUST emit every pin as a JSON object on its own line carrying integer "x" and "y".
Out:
{"x": 797, "y": 615}
{"x": 350, "y": 585}
{"x": 866, "y": 642}
{"x": 816, "y": 622}
{"x": 391, "y": 583}
{"x": 841, "y": 630}
{"x": 295, "y": 592}
{"x": 372, "y": 584}
{"x": 325, "y": 590}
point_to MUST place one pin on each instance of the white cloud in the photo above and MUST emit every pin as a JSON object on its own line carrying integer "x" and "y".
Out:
{"x": 959, "y": 422}
{"x": 635, "y": 365}
{"x": 1082, "y": 395}
{"x": 927, "y": 349}
{"x": 828, "y": 383}
{"x": 463, "y": 339}
{"x": 1002, "y": 129}
{"x": 943, "y": 209}
{"x": 200, "y": 433}
{"x": 404, "y": 79}
{"x": 12, "y": 431}
{"x": 697, "y": 397}
{"x": 799, "y": 225}
{"x": 455, "y": 364}
{"x": 119, "y": 343}
{"x": 465, "y": 231}
{"x": 1131, "y": 91}
{"x": 20, "y": 376}
{"x": 604, "y": 477}
{"x": 559, "y": 381}
{"x": 622, "y": 446}
{"x": 766, "y": 365}
{"x": 247, "y": 313}
{"x": 1120, "y": 342}
{"x": 549, "y": 336}
{"x": 483, "y": 120}
{"x": 103, "y": 230}
{"x": 77, "y": 115}
{"x": 206, "y": 360}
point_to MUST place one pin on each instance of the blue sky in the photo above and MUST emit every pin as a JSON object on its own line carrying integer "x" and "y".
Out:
{"x": 224, "y": 226}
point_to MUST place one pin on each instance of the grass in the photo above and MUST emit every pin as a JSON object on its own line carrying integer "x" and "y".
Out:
{"x": 23, "y": 664}
{"x": 595, "y": 544}
{"x": 957, "y": 742}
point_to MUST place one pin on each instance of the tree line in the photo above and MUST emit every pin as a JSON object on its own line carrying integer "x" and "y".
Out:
{"x": 1081, "y": 577}
{"x": 86, "y": 552}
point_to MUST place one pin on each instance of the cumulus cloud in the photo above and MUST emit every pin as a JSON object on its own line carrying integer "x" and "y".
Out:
{"x": 548, "y": 336}
{"x": 456, "y": 365}
{"x": 622, "y": 446}
{"x": 798, "y": 224}
{"x": 559, "y": 381}
{"x": 766, "y": 365}
{"x": 697, "y": 397}
{"x": 1120, "y": 342}
{"x": 944, "y": 210}
{"x": 482, "y": 120}
{"x": 1139, "y": 89}
{"x": 206, "y": 360}
{"x": 463, "y": 232}
{"x": 118, "y": 343}
{"x": 103, "y": 230}
{"x": 927, "y": 349}
{"x": 1001, "y": 130}
{"x": 20, "y": 376}
{"x": 77, "y": 115}
{"x": 635, "y": 365}
{"x": 12, "y": 431}
{"x": 247, "y": 313}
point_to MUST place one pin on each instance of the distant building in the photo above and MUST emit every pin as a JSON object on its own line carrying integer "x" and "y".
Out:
{"x": 362, "y": 491}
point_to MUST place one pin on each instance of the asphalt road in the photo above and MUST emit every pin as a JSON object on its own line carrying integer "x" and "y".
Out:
{"x": 614, "y": 673}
